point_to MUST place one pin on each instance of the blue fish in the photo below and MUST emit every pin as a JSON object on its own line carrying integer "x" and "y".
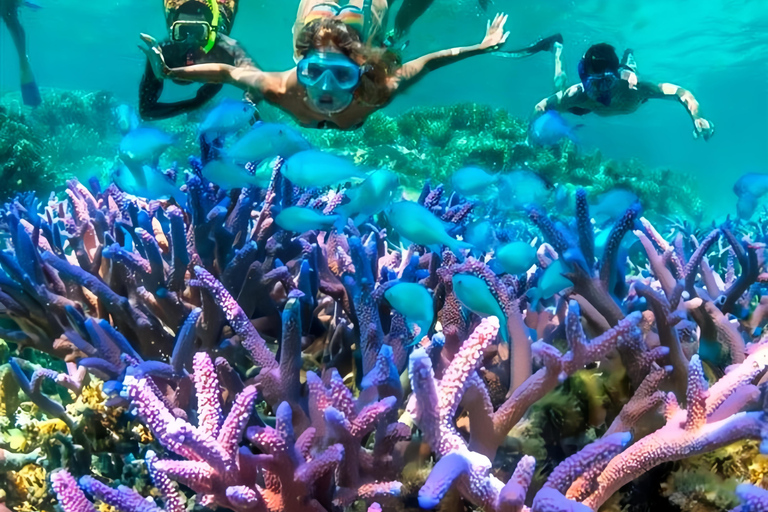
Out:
{"x": 418, "y": 225}
{"x": 126, "y": 118}
{"x": 148, "y": 183}
{"x": 551, "y": 282}
{"x": 613, "y": 204}
{"x": 550, "y": 128}
{"x": 415, "y": 303}
{"x": 481, "y": 235}
{"x": 749, "y": 188}
{"x": 472, "y": 181}
{"x": 301, "y": 220}
{"x": 521, "y": 188}
{"x": 267, "y": 140}
{"x": 228, "y": 175}
{"x": 227, "y": 117}
{"x": 314, "y": 168}
{"x": 145, "y": 145}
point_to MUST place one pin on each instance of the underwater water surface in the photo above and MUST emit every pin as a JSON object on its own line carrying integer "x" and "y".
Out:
{"x": 457, "y": 305}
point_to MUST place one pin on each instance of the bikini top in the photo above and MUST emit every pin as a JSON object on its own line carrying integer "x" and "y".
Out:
{"x": 350, "y": 15}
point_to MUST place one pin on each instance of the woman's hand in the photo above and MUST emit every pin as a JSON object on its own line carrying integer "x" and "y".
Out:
{"x": 703, "y": 128}
{"x": 495, "y": 37}
{"x": 154, "y": 54}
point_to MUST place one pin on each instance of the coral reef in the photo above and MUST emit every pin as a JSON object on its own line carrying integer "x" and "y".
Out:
{"x": 161, "y": 355}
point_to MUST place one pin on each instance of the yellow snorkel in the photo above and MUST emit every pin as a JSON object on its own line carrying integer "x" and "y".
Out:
{"x": 214, "y": 6}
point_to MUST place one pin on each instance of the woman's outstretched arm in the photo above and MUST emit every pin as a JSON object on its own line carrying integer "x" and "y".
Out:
{"x": 411, "y": 72}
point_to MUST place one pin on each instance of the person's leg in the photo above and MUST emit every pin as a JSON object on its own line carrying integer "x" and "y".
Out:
{"x": 377, "y": 22}
{"x": 30, "y": 93}
{"x": 305, "y": 7}
{"x": 561, "y": 80}
{"x": 408, "y": 13}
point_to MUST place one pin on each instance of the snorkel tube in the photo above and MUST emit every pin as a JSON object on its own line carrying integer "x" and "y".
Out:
{"x": 214, "y": 6}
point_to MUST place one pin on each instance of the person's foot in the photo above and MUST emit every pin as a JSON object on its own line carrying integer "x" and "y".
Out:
{"x": 29, "y": 90}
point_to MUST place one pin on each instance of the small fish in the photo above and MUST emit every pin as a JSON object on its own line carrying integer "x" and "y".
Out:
{"x": 126, "y": 118}
{"x": 267, "y": 140}
{"x": 551, "y": 282}
{"x": 472, "y": 181}
{"x": 227, "y": 117}
{"x": 145, "y": 145}
{"x": 147, "y": 182}
{"x": 473, "y": 293}
{"x": 613, "y": 204}
{"x": 415, "y": 303}
{"x": 228, "y": 175}
{"x": 521, "y": 188}
{"x": 481, "y": 235}
{"x": 550, "y": 128}
{"x": 314, "y": 168}
{"x": 418, "y": 225}
{"x": 516, "y": 257}
{"x": 749, "y": 188}
{"x": 301, "y": 220}
{"x": 369, "y": 198}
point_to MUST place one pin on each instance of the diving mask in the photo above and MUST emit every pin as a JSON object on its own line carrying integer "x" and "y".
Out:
{"x": 191, "y": 31}
{"x": 330, "y": 80}
{"x": 329, "y": 70}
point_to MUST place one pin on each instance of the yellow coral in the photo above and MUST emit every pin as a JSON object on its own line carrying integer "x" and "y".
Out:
{"x": 28, "y": 491}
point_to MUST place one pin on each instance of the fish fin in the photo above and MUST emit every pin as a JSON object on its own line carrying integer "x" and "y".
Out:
{"x": 341, "y": 222}
{"x": 360, "y": 219}
{"x": 456, "y": 246}
{"x": 534, "y": 296}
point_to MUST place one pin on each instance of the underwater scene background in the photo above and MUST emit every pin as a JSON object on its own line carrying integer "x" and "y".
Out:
{"x": 441, "y": 309}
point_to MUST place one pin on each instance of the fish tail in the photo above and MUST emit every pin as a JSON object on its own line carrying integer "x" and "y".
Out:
{"x": 456, "y": 246}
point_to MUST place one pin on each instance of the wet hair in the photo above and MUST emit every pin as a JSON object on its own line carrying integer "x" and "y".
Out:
{"x": 601, "y": 58}
{"x": 379, "y": 64}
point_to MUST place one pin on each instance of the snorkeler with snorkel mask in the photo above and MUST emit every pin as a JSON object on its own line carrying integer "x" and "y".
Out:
{"x": 610, "y": 87}
{"x": 347, "y": 67}
{"x": 198, "y": 34}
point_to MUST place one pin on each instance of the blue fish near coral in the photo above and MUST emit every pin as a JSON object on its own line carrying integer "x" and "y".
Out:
{"x": 228, "y": 175}
{"x": 414, "y": 302}
{"x": 613, "y": 204}
{"x": 300, "y": 220}
{"x": 551, "y": 282}
{"x": 317, "y": 169}
{"x": 145, "y": 145}
{"x": 265, "y": 141}
{"x": 550, "y": 128}
{"x": 418, "y": 225}
{"x": 148, "y": 183}
{"x": 472, "y": 181}
{"x": 227, "y": 117}
{"x": 126, "y": 118}
{"x": 475, "y": 295}
{"x": 369, "y": 198}
{"x": 749, "y": 189}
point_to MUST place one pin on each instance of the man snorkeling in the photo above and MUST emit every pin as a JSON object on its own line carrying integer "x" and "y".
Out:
{"x": 610, "y": 87}
{"x": 344, "y": 71}
{"x": 30, "y": 94}
{"x": 198, "y": 34}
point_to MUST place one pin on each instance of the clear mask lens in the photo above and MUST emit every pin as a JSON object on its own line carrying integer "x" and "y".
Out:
{"x": 190, "y": 31}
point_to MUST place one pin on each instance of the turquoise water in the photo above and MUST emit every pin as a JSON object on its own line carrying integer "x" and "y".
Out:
{"x": 716, "y": 49}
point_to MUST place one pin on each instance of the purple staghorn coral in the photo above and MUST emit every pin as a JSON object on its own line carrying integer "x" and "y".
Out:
{"x": 274, "y": 375}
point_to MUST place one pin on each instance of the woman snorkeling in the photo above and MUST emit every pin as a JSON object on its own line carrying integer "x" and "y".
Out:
{"x": 610, "y": 87}
{"x": 343, "y": 75}
{"x": 198, "y": 34}
{"x": 30, "y": 94}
